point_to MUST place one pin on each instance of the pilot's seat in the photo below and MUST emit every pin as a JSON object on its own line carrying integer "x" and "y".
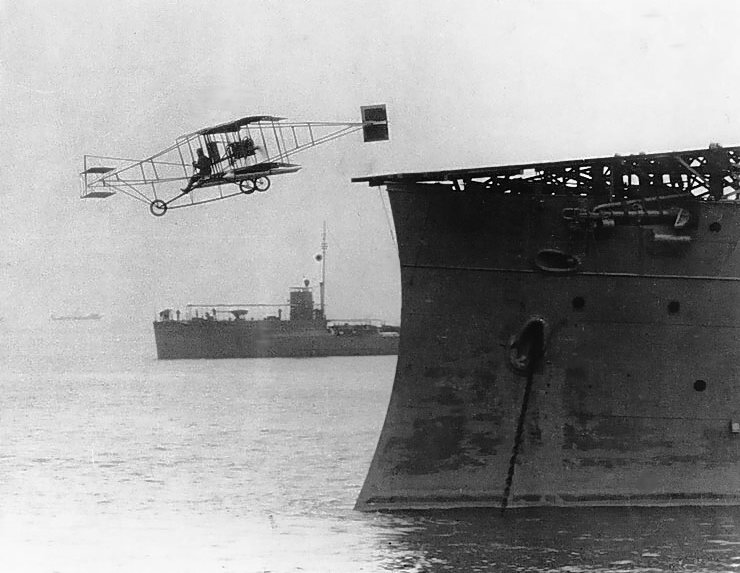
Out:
{"x": 213, "y": 153}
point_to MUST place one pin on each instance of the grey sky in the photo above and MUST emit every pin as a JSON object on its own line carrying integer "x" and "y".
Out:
{"x": 466, "y": 84}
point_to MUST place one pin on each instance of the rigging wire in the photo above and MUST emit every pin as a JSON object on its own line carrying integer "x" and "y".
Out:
{"x": 391, "y": 230}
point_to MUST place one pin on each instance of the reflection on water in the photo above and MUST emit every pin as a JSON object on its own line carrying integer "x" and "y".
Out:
{"x": 113, "y": 461}
{"x": 565, "y": 540}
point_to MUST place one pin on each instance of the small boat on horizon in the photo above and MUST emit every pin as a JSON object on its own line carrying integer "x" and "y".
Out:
{"x": 90, "y": 316}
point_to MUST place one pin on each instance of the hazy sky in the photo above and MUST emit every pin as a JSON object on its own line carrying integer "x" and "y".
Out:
{"x": 467, "y": 84}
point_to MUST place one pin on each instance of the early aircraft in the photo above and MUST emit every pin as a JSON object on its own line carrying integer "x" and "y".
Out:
{"x": 218, "y": 162}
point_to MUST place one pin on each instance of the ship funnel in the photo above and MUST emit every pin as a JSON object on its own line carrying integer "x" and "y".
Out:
{"x": 301, "y": 303}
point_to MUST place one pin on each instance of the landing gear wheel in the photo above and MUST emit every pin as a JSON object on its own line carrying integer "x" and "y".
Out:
{"x": 158, "y": 207}
{"x": 247, "y": 186}
{"x": 262, "y": 183}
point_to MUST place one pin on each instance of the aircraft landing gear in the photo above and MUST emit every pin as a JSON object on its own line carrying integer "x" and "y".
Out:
{"x": 247, "y": 186}
{"x": 158, "y": 207}
{"x": 262, "y": 183}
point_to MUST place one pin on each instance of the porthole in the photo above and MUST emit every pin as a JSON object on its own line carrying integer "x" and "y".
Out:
{"x": 578, "y": 303}
{"x": 556, "y": 261}
{"x": 700, "y": 385}
{"x": 674, "y": 306}
{"x": 715, "y": 227}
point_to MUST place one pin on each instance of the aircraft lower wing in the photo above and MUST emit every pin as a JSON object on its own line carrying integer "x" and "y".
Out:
{"x": 264, "y": 168}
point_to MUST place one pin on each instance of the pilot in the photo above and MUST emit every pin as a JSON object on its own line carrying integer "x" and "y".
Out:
{"x": 202, "y": 170}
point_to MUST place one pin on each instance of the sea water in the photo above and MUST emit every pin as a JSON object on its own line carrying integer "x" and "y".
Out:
{"x": 113, "y": 461}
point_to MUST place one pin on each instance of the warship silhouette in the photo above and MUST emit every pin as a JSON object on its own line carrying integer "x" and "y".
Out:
{"x": 226, "y": 330}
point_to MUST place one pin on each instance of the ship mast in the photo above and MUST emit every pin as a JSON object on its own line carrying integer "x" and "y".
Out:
{"x": 322, "y": 284}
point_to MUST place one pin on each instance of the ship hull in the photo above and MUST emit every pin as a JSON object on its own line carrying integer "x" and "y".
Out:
{"x": 633, "y": 398}
{"x": 255, "y": 339}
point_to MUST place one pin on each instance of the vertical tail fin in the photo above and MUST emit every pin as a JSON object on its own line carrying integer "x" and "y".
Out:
{"x": 374, "y": 123}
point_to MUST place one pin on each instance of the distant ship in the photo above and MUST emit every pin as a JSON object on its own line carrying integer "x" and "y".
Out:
{"x": 305, "y": 333}
{"x": 90, "y": 316}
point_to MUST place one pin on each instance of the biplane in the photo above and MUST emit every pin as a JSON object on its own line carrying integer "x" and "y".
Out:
{"x": 215, "y": 163}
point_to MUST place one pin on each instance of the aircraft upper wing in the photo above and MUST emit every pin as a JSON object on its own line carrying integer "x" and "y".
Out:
{"x": 236, "y": 125}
